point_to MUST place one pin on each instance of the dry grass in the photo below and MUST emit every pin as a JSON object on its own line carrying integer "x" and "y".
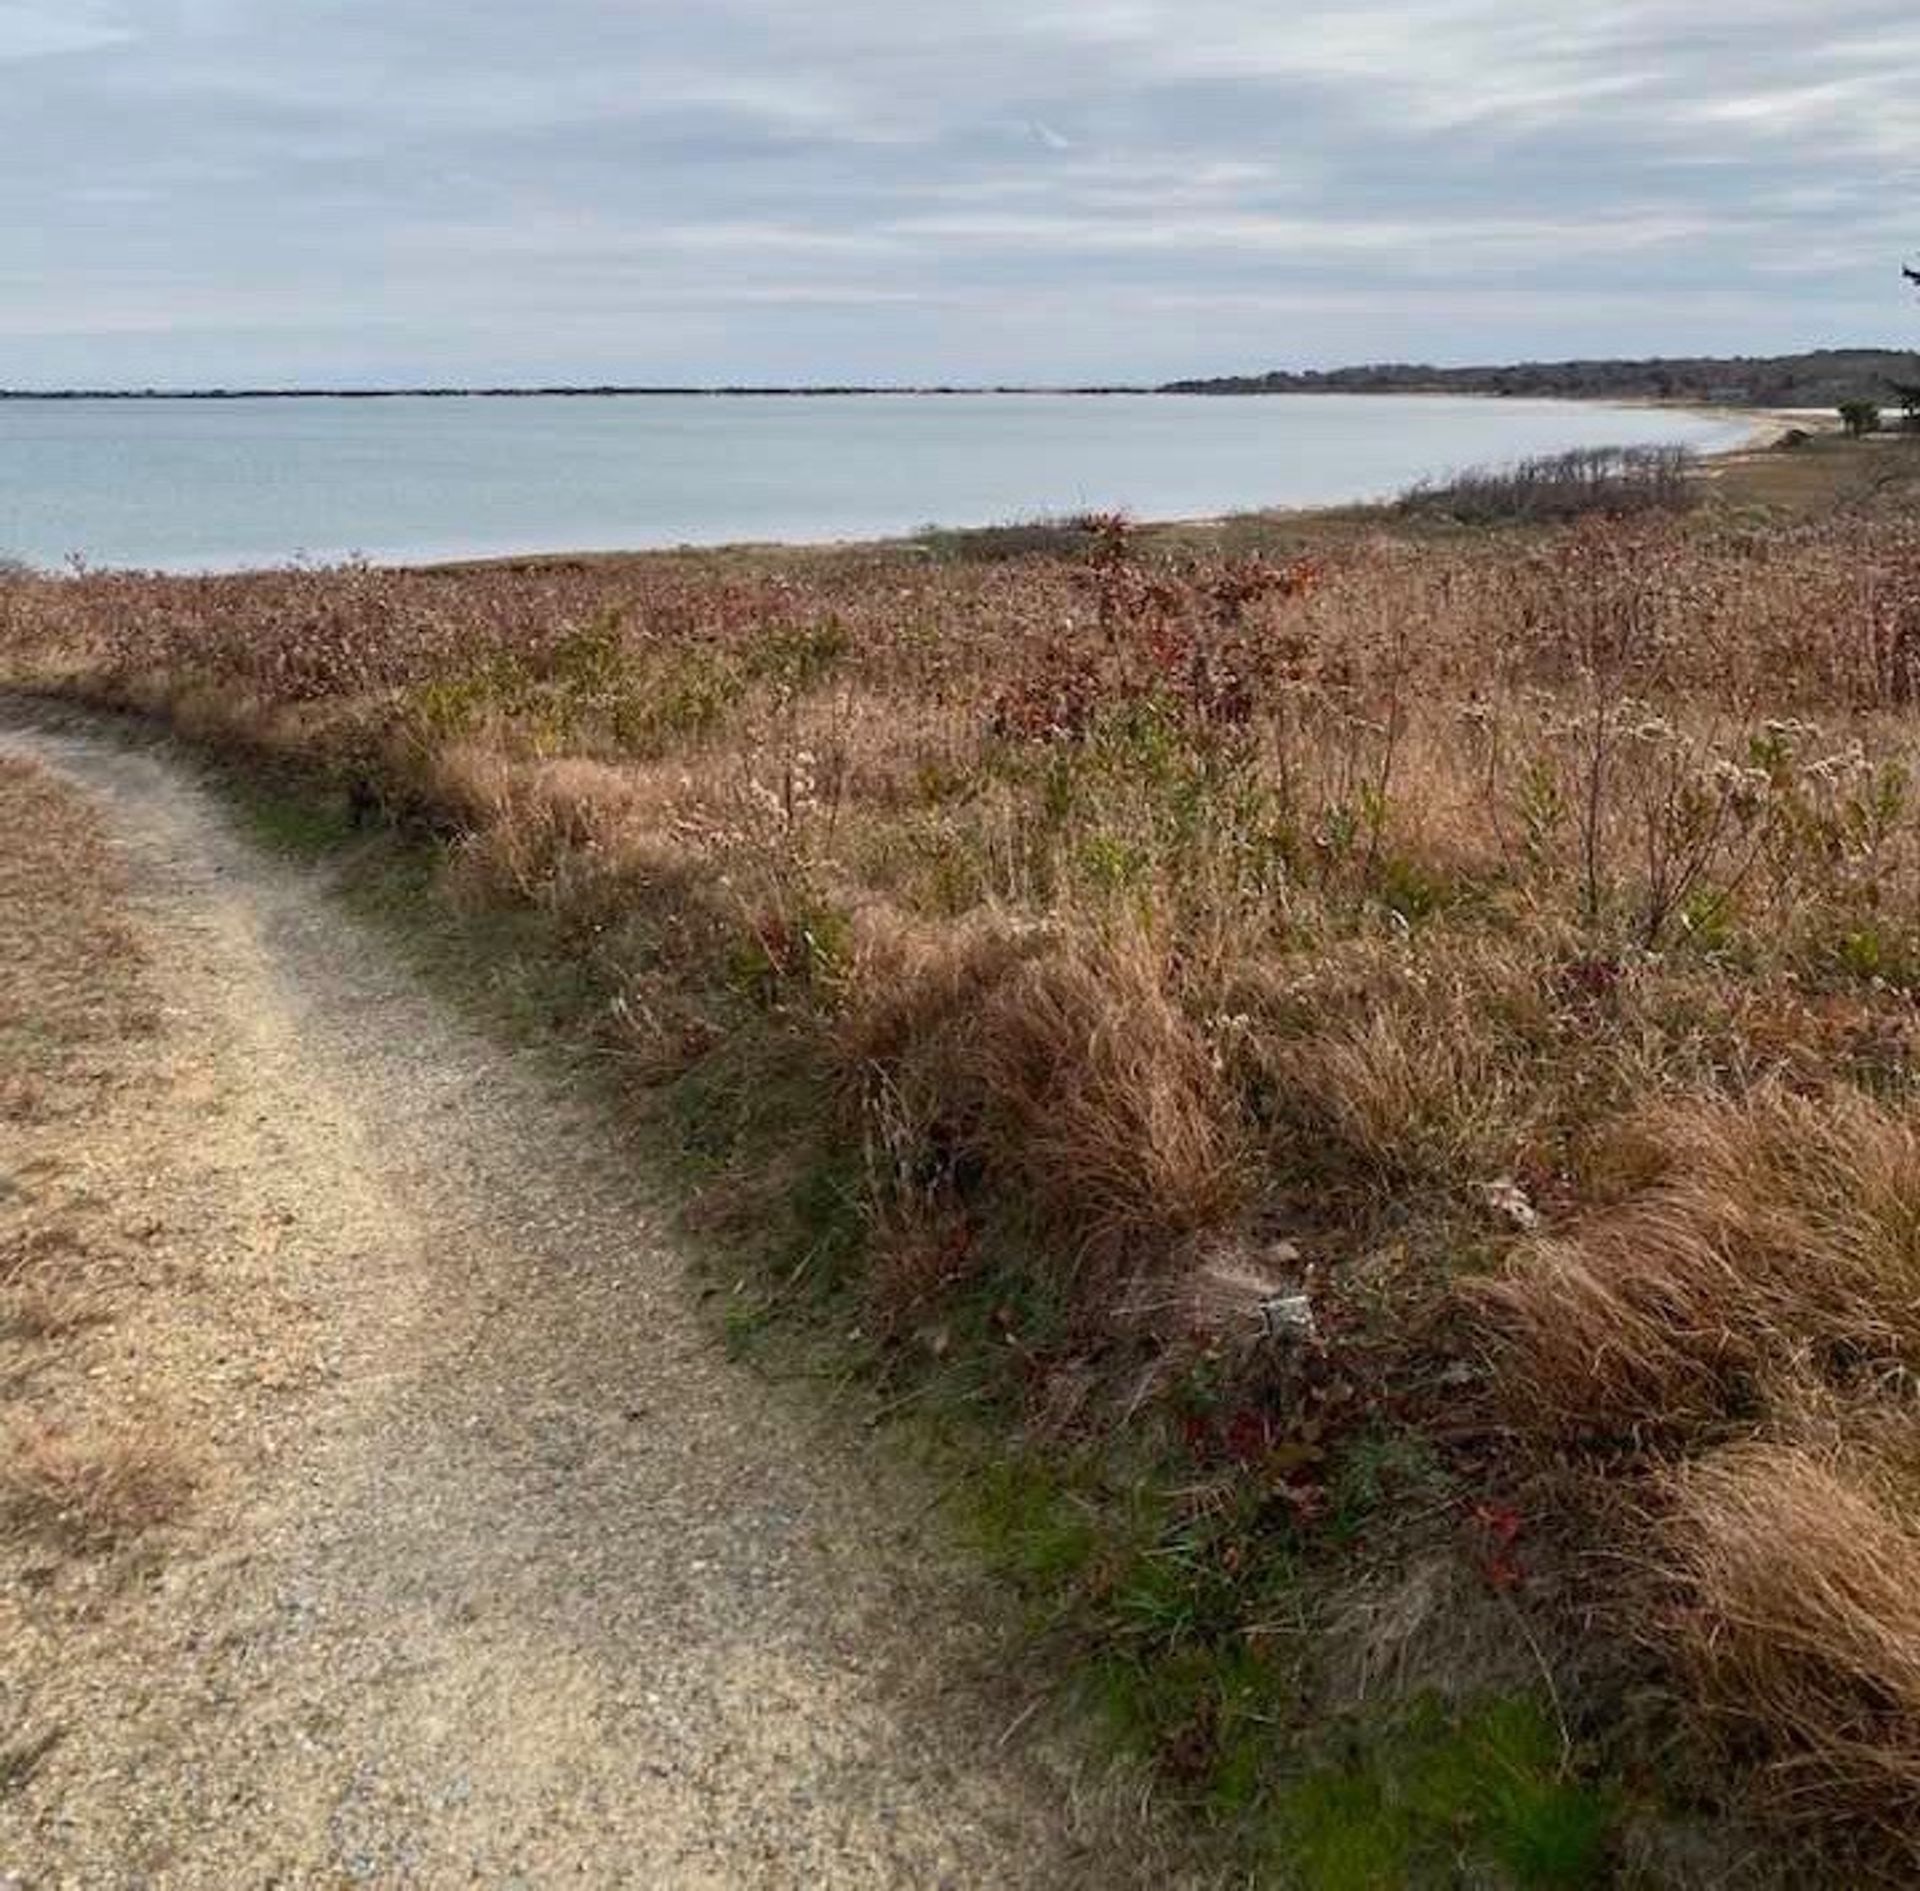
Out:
{"x": 1800, "y": 1621}
{"x": 1097, "y": 1093}
{"x": 69, "y": 964}
{"x": 1781, "y": 1246}
{"x": 76, "y": 1016}
{"x": 47, "y": 1288}
{"x": 1065, "y": 1069}
{"x": 1151, "y": 897}
{"x": 92, "y": 1488}
{"x": 1747, "y": 1323}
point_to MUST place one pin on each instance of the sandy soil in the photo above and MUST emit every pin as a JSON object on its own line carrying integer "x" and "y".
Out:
{"x": 495, "y": 1571}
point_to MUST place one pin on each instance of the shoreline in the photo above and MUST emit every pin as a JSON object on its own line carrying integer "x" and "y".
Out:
{"x": 1763, "y": 428}
{"x": 1767, "y": 426}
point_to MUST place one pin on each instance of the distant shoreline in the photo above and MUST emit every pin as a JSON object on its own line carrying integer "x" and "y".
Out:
{"x": 216, "y": 396}
{"x": 1815, "y": 378}
{"x": 75, "y": 396}
{"x": 1769, "y": 392}
{"x": 541, "y": 393}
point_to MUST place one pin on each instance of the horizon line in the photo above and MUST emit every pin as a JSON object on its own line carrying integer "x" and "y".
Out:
{"x": 801, "y": 389}
{"x": 568, "y": 390}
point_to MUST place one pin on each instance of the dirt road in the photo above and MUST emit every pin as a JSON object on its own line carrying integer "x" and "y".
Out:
{"x": 497, "y": 1571}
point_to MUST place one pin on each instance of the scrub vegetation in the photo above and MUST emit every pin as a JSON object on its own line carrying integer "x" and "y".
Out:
{"x": 1561, "y": 486}
{"x": 1367, "y": 1089}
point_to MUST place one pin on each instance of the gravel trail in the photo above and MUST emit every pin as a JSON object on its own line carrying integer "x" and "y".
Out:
{"x": 506, "y": 1575}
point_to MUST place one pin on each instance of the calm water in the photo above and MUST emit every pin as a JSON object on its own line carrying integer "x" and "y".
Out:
{"x": 186, "y": 486}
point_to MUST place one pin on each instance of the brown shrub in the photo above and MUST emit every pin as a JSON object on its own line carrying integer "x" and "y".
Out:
{"x": 915, "y": 1260}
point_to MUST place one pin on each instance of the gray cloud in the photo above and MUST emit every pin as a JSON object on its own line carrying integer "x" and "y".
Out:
{"x": 419, "y": 189}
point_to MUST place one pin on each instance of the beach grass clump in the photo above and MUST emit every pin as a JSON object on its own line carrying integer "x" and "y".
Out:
{"x": 1795, "y": 1611}
{"x": 1242, "y": 1025}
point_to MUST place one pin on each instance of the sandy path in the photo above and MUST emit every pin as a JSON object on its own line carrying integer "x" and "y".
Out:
{"x": 507, "y": 1577}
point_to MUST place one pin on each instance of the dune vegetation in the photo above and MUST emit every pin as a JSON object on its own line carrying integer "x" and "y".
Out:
{"x": 1374, "y": 1080}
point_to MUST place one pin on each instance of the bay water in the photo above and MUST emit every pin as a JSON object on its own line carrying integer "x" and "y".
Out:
{"x": 227, "y": 484}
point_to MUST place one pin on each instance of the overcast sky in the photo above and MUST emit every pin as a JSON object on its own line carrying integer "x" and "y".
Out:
{"x": 387, "y": 191}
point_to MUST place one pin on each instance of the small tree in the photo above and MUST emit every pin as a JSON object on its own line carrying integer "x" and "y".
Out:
{"x": 1860, "y": 417}
{"x": 1908, "y": 394}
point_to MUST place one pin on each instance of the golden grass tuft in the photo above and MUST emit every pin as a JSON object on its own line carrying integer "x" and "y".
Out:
{"x": 1061, "y": 1072}
{"x": 1800, "y": 1624}
{"x": 50, "y": 1281}
{"x": 1105, "y": 1101}
{"x": 1783, "y": 1242}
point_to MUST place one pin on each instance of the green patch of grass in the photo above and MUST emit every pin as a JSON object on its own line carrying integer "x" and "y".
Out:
{"x": 736, "y": 1107}
{"x": 797, "y": 956}
{"x": 1174, "y": 1628}
{"x": 1339, "y": 1832}
{"x": 1446, "y": 1796}
{"x": 1190, "y": 1645}
{"x": 828, "y": 1228}
{"x": 796, "y": 658}
{"x": 305, "y": 823}
{"x": 745, "y": 1325}
{"x": 1872, "y": 951}
{"x": 993, "y": 544}
{"x": 680, "y": 700}
{"x": 1411, "y": 892}
{"x": 1216, "y": 1723}
{"x": 1379, "y": 1470}
{"x": 1024, "y": 1513}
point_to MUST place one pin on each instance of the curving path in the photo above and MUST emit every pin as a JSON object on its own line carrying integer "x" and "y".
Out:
{"x": 508, "y": 1577}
